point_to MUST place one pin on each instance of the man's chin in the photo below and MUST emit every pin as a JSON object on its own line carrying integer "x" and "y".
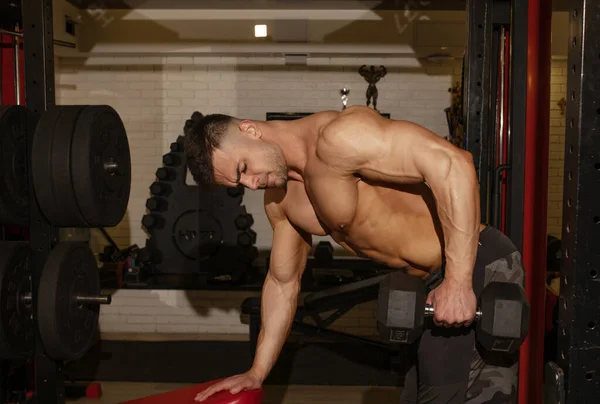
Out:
{"x": 276, "y": 184}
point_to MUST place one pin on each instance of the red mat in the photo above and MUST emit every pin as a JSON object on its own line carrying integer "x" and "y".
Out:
{"x": 187, "y": 395}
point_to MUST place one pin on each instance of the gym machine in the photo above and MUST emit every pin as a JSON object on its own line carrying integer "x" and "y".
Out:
{"x": 507, "y": 95}
{"x": 575, "y": 377}
{"x": 310, "y": 320}
{"x": 506, "y": 98}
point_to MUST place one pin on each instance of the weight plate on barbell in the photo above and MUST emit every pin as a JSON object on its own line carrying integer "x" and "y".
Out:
{"x": 16, "y": 323}
{"x": 52, "y": 166}
{"x": 101, "y": 166}
{"x": 68, "y": 329}
{"x": 81, "y": 166}
{"x": 14, "y": 199}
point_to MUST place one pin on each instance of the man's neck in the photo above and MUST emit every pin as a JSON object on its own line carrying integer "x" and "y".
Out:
{"x": 295, "y": 139}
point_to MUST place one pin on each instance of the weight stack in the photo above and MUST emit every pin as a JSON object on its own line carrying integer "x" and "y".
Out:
{"x": 207, "y": 233}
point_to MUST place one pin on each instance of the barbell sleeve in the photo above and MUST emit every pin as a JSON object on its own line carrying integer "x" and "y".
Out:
{"x": 100, "y": 299}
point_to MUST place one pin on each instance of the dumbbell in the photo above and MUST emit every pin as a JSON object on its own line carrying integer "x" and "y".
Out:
{"x": 502, "y": 318}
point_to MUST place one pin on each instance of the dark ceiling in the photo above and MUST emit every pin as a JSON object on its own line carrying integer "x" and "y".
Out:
{"x": 10, "y": 10}
{"x": 557, "y": 5}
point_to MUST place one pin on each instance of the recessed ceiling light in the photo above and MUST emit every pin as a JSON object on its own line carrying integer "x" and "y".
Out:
{"x": 260, "y": 31}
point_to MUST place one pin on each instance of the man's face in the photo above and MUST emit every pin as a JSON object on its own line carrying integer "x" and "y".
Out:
{"x": 252, "y": 162}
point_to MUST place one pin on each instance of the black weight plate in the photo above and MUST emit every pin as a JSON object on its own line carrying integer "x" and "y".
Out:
{"x": 67, "y": 212}
{"x": 16, "y": 324}
{"x": 42, "y": 164}
{"x": 100, "y": 141}
{"x": 14, "y": 199}
{"x": 52, "y": 166}
{"x": 401, "y": 308}
{"x": 197, "y": 234}
{"x": 68, "y": 329}
{"x": 504, "y": 323}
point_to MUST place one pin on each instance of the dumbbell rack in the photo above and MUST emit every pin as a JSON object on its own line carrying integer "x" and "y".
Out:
{"x": 40, "y": 94}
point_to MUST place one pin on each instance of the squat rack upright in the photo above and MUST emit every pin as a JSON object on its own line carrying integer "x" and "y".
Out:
{"x": 510, "y": 149}
{"x": 40, "y": 94}
{"x": 579, "y": 306}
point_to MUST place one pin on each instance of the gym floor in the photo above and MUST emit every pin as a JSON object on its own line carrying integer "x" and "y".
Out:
{"x": 116, "y": 392}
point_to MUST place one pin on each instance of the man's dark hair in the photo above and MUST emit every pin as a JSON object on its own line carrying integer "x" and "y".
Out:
{"x": 203, "y": 134}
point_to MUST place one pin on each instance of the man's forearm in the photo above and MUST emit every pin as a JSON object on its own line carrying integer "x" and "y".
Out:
{"x": 457, "y": 198}
{"x": 278, "y": 308}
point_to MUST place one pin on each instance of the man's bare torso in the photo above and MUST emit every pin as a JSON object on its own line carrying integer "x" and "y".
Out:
{"x": 395, "y": 224}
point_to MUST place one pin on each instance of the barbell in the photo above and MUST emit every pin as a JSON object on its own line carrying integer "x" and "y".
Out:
{"x": 67, "y": 306}
{"x": 81, "y": 177}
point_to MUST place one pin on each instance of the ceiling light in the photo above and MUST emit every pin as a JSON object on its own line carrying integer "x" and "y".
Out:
{"x": 260, "y": 31}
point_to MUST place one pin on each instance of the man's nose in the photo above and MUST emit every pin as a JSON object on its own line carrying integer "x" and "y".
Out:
{"x": 249, "y": 182}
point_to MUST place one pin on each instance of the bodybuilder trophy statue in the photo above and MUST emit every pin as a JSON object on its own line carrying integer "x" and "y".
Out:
{"x": 372, "y": 75}
{"x": 344, "y": 94}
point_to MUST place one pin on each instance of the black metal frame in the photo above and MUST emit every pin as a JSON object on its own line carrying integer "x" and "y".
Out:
{"x": 477, "y": 92}
{"x": 517, "y": 122}
{"x": 40, "y": 90}
{"x": 485, "y": 22}
{"x": 578, "y": 324}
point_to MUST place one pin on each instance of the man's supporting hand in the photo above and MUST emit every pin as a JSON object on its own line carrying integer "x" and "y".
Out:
{"x": 233, "y": 384}
{"x": 454, "y": 303}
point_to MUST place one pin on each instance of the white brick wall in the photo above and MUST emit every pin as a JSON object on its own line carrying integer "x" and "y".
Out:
{"x": 171, "y": 311}
{"x": 558, "y": 90}
{"x": 201, "y": 312}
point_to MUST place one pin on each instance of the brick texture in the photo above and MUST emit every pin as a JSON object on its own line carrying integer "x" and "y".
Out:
{"x": 558, "y": 91}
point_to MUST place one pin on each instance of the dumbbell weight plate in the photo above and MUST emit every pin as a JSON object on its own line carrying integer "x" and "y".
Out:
{"x": 504, "y": 323}
{"x": 68, "y": 328}
{"x": 16, "y": 323}
{"x": 401, "y": 308}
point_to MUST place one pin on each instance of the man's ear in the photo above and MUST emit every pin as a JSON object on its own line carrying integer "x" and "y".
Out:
{"x": 250, "y": 129}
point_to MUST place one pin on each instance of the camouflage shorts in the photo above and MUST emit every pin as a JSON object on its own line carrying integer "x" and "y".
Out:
{"x": 449, "y": 367}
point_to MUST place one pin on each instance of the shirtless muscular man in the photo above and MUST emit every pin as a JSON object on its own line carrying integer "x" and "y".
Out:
{"x": 384, "y": 189}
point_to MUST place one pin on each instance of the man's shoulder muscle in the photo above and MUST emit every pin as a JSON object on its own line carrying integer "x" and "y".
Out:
{"x": 350, "y": 138}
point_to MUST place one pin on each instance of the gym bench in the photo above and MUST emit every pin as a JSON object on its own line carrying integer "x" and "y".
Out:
{"x": 339, "y": 298}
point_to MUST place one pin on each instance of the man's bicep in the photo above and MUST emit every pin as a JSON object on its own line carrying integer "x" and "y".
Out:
{"x": 289, "y": 252}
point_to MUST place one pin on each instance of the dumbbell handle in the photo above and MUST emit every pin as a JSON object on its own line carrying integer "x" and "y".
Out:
{"x": 430, "y": 311}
